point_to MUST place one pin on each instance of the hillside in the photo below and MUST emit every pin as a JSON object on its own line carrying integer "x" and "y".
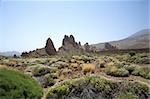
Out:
{"x": 138, "y": 40}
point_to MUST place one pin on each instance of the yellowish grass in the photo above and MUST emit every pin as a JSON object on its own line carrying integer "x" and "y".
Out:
{"x": 88, "y": 68}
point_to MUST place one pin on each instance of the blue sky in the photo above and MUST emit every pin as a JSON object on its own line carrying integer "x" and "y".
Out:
{"x": 26, "y": 24}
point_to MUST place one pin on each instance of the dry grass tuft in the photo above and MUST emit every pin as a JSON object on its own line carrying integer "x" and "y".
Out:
{"x": 88, "y": 68}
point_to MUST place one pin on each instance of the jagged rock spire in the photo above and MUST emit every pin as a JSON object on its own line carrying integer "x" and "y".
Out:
{"x": 49, "y": 48}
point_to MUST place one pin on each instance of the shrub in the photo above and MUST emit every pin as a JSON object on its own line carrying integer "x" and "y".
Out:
{"x": 119, "y": 65}
{"x": 86, "y": 59}
{"x": 130, "y": 68}
{"x": 117, "y": 72}
{"x": 88, "y": 68}
{"x": 111, "y": 69}
{"x": 59, "y": 64}
{"x": 132, "y": 53}
{"x": 136, "y": 72}
{"x": 122, "y": 72}
{"x": 15, "y": 85}
{"x": 143, "y": 60}
{"x": 91, "y": 87}
{"x": 127, "y": 95}
{"x": 143, "y": 72}
{"x": 48, "y": 80}
{"x": 39, "y": 71}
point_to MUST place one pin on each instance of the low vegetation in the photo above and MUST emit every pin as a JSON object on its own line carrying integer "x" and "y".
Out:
{"x": 88, "y": 68}
{"x": 117, "y": 72}
{"x": 97, "y": 88}
{"x": 143, "y": 72}
{"x": 15, "y": 85}
{"x": 68, "y": 77}
{"x": 39, "y": 71}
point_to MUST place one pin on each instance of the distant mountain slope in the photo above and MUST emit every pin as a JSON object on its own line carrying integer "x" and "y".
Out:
{"x": 10, "y": 53}
{"x": 138, "y": 40}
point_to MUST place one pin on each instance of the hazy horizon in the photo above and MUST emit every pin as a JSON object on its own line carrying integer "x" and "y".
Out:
{"x": 26, "y": 25}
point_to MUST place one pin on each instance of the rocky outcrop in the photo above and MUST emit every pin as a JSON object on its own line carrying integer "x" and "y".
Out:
{"x": 108, "y": 46}
{"x": 69, "y": 45}
{"x": 49, "y": 48}
{"x": 89, "y": 48}
{"x": 35, "y": 53}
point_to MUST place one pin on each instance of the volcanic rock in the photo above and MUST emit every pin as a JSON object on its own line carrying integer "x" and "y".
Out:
{"x": 69, "y": 45}
{"x": 89, "y": 48}
{"x": 49, "y": 48}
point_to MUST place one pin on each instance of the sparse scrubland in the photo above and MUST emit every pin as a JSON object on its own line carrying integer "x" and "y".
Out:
{"x": 81, "y": 76}
{"x": 98, "y": 88}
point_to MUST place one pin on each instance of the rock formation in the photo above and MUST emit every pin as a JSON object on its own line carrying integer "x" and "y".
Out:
{"x": 69, "y": 45}
{"x": 108, "y": 46}
{"x": 49, "y": 48}
{"x": 89, "y": 48}
{"x": 35, "y": 53}
{"x": 42, "y": 52}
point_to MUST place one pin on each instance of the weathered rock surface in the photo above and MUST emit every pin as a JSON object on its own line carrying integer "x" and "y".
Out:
{"x": 69, "y": 45}
{"x": 35, "y": 53}
{"x": 49, "y": 48}
{"x": 89, "y": 48}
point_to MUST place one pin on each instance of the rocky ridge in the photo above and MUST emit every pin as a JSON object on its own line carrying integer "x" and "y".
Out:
{"x": 69, "y": 46}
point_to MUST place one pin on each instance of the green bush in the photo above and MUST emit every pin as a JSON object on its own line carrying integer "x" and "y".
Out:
{"x": 89, "y": 87}
{"x": 137, "y": 58}
{"x": 117, "y": 72}
{"x": 143, "y": 60}
{"x": 86, "y": 59}
{"x": 143, "y": 72}
{"x": 130, "y": 68}
{"x": 59, "y": 64}
{"x": 48, "y": 80}
{"x": 119, "y": 65}
{"x": 39, "y": 71}
{"x": 126, "y": 95}
{"x": 15, "y": 85}
{"x": 122, "y": 72}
